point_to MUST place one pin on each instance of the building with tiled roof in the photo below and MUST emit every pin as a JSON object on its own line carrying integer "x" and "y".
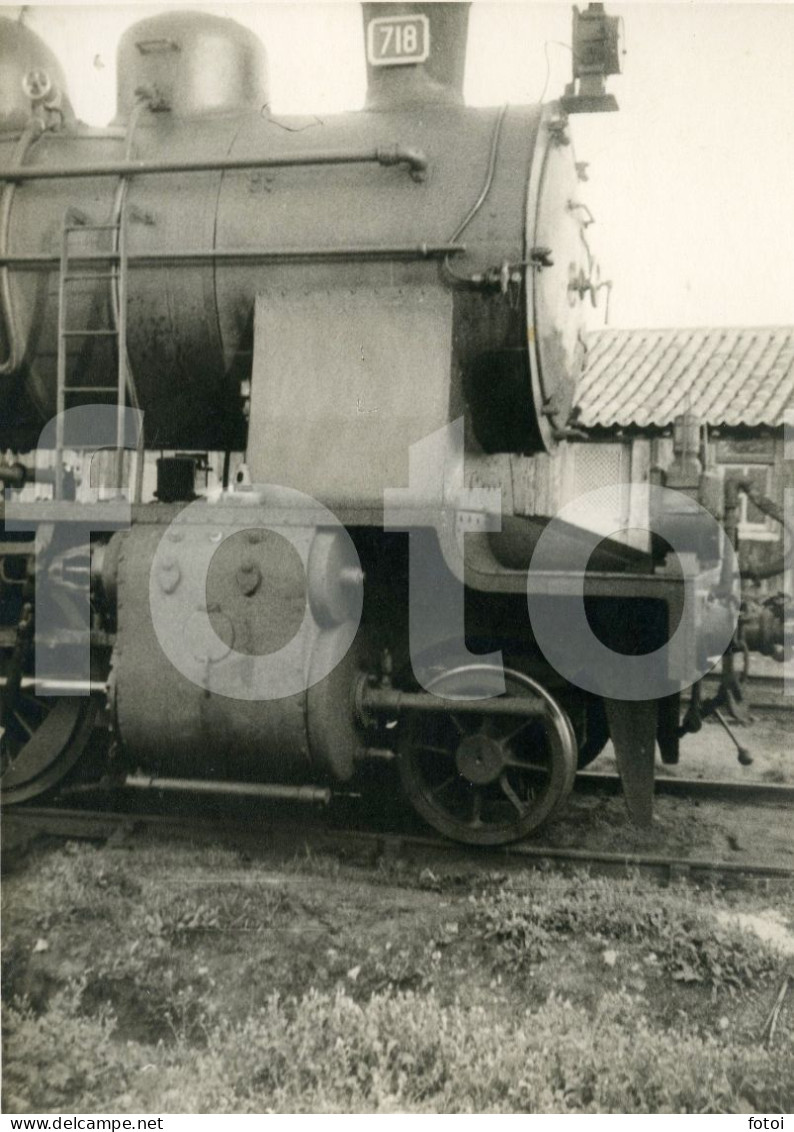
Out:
{"x": 739, "y": 382}
{"x": 732, "y": 378}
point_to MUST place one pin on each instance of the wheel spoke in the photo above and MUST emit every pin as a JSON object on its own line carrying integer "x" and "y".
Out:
{"x": 53, "y": 751}
{"x": 510, "y": 793}
{"x": 518, "y": 764}
{"x": 511, "y": 734}
{"x": 487, "y": 778}
{"x": 434, "y": 750}
{"x": 490, "y": 727}
{"x": 457, "y": 724}
{"x": 42, "y": 706}
{"x": 476, "y": 808}
{"x": 443, "y": 785}
{"x": 23, "y": 723}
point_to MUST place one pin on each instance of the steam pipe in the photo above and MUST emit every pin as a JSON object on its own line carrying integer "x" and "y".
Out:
{"x": 264, "y": 255}
{"x": 10, "y": 363}
{"x": 414, "y": 158}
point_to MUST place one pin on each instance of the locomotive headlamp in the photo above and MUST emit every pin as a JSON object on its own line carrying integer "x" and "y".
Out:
{"x": 595, "y": 42}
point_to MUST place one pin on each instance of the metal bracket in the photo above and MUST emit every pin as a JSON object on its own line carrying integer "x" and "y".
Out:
{"x": 541, "y": 256}
{"x": 76, "y": 216}
{"x": 140, "y": 216}
{"x": 558, "y": 130}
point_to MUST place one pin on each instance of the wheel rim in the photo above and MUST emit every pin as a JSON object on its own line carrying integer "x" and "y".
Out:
{"x": 487, "y": 780}
{"x": 43, "y": 739}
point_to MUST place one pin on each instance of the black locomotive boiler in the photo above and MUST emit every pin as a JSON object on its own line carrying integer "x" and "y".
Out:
{"x": 369, "y": 326}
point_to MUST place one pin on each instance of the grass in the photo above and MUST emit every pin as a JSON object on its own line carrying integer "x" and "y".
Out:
{"x": 394, "y": 1053}
{"x": 678, "y": 927}
{"x": 217, "y": 985}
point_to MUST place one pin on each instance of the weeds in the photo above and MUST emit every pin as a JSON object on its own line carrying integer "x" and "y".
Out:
{"x": 386, "y": 999}
{"x": 686, "y": 940}
{"x": 395, "y": 1053}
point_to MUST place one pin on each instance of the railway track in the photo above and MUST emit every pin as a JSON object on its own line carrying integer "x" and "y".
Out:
{"x": 757, "y": 679}
{"x": 778, "y": 794}
{"x": 762, "y": 692}
{"x": 318, "y": 834}
{"x": 784, "y": 705}
{"x": 116, "y": 822}
{"x": 715, "y": 790}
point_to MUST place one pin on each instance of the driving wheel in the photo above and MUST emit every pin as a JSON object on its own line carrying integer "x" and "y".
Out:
{"x": 42, "y": 739}
{"x": 481, "y": 777}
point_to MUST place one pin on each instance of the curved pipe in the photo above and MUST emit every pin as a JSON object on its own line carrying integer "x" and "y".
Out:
{"x": 768, "y": 507}
{"x": 778, "y": 567}
{"x": 119, "y": 219}
{"x": 13, "y": 358}
{"x": 414, "y": 158}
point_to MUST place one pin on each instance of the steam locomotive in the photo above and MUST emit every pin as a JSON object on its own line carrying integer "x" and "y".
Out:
{"x": 364, "y": 334}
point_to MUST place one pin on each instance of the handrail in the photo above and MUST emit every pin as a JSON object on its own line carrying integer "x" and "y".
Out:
{"x": 118, "y": 299}
{"x": 45, "y": 261}
{"x": 415, "y": 159}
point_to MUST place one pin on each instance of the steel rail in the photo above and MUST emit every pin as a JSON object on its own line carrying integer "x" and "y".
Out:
{"x": 100, "y": 825}
{"x": 721, "y": 790}
{"x": 651, "y": 862}
{"x": 761, "y": 679}
{"x": 784, "y": 704}
{"x": 414, "y": 158}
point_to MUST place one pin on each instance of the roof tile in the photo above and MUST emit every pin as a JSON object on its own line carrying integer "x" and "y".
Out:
{"x": 739, "y": 376}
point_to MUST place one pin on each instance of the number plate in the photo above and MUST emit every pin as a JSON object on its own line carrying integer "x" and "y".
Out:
{"x": 394, "y": 40}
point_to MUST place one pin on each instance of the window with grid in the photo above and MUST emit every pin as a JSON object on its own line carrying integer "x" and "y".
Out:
{"x": 753, "y": 523}
{"x": 605, "y": 466}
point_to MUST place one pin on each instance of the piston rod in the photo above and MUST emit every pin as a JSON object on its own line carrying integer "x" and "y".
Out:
{"x": 50, "y": 686}
{"x": 392, "y": 700}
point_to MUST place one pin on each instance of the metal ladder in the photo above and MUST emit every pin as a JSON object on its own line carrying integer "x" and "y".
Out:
{"x": 117, "y": 272}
